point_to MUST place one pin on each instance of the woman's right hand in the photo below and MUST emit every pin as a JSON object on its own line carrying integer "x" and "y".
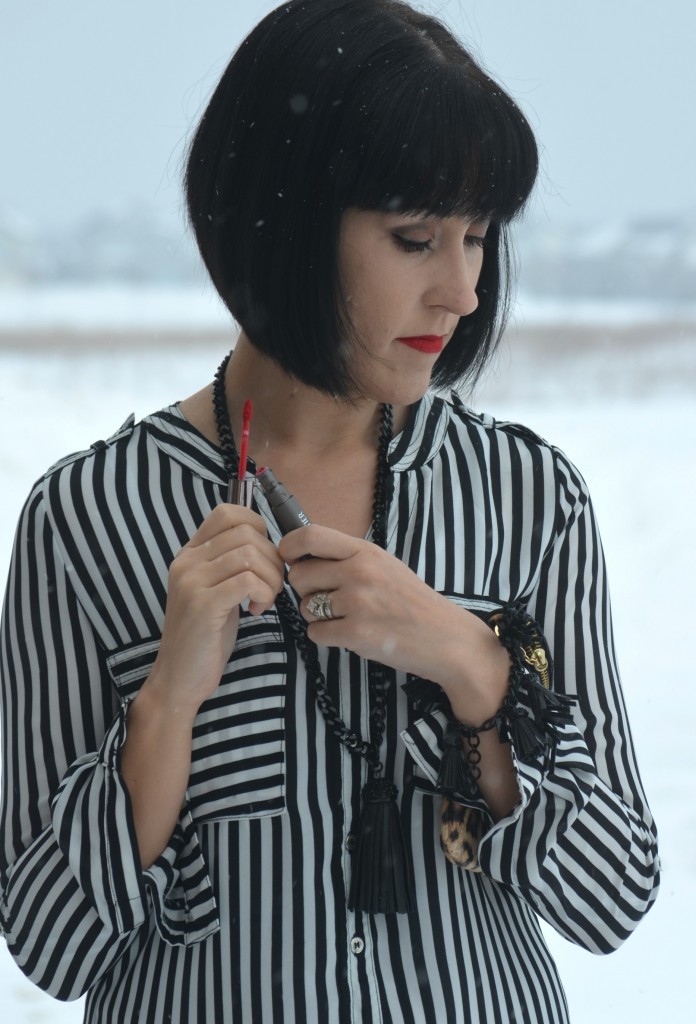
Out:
{"x": 228, "y": 559}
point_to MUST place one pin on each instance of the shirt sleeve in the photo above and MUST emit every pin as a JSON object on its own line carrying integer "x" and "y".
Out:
{"x": 72, "y": 893}
{"x": 581, "y": 845}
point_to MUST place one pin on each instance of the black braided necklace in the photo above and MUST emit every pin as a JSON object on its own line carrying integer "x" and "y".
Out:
{"x": 381, "y": 876}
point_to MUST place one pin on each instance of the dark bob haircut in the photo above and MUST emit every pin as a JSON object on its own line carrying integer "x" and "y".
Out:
{"x": 337, "y": 104}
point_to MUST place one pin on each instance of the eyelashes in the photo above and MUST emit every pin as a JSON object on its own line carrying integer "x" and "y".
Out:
{"x": 408, "y": 245}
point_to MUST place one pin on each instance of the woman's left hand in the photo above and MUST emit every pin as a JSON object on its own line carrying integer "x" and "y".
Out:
{"x": 384, "y": 611}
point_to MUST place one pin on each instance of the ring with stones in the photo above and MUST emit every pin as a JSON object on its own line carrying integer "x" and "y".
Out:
{"x": 319, "y": 605}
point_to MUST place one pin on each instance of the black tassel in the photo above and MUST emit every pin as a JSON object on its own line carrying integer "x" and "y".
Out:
{"x": 381, "y": 875}
{"x": 554, "y": 718}
{"x": 540, "y": 698}
{"x": 454, "y": 777}
{"x": 550, "y": 710}
{"x": 526, "y": 735}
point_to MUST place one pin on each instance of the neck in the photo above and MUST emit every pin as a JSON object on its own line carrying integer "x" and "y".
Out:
{"x": 323, "y": 482}
{"x": 290, "y": 415}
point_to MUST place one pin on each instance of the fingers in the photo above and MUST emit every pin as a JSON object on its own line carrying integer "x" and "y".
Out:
{"x": 335, "y": 559}
{"x": 226, "y": 517}
{"x": 318, "y": 542}
{"x": 317, "y": 604}
{"x": 244, "y": 536}
{"x": 228, "y": 560}
{"x": 233, "y": 590}
{"x": 363, "y": 634}
{"x": 307, "y": 578}
{"x": 378, "y": 605}
{"x": 366, "y": 569}
{"x": 248, "y": 558}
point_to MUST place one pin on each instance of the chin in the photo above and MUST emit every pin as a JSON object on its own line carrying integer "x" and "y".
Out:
{"x": 404, "y": 392}
{"x": 391, "y": 385}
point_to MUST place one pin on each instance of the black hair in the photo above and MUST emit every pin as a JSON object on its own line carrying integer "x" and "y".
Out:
{"x": 336, "y": 104}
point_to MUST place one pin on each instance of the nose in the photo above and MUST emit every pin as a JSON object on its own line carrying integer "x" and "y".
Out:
{"x": 454, "y": 282}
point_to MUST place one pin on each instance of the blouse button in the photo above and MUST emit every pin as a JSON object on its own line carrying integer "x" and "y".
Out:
{"x": 351, "y": 840}
{"x": 357, "y": 945}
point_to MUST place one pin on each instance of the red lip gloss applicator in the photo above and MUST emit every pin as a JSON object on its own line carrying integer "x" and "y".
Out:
{"x": 244, "y": 447}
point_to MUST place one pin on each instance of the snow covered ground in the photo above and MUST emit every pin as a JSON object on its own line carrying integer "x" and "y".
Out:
{"x": 628, "y": 419}
{"x": 116, "y": 304}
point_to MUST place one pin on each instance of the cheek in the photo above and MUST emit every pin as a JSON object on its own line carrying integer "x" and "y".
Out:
{"x": 362, "y": 292}
{"x": 358, "y": 288}
{"x": 378, "y": 291}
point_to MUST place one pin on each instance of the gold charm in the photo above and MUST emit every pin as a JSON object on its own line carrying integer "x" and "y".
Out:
{"x": 536, "y": 657}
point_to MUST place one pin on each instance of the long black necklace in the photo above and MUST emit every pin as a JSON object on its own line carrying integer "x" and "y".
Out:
{"x": 381, "y": 879}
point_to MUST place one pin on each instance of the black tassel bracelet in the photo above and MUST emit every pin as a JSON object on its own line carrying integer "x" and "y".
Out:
{"x": 530, "y": 716}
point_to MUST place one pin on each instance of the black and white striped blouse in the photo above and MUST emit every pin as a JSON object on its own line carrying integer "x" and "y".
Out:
{"x": 243, "y": 917}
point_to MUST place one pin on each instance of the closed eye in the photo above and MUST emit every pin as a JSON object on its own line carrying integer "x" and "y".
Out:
{"x": 408, "y": 245}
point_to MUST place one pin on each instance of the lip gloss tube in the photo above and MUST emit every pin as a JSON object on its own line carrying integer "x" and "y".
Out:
{"x": 241, "y": 492}
{"x": 286, "y": 509}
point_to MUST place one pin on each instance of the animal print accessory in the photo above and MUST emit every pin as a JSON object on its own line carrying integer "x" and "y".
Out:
{"x": 529, "y": 717}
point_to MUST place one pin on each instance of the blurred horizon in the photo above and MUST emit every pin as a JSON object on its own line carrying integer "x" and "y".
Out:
{"x": 636, "y": 260}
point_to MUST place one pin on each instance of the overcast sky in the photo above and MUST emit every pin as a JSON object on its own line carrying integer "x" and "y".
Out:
{"x": 97, "y": 97}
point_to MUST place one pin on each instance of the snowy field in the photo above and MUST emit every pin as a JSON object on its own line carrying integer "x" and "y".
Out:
{"x": 628, "y": 419}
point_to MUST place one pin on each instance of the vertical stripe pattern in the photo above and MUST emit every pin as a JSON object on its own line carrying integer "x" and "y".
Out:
{"x": 243, "y": 918}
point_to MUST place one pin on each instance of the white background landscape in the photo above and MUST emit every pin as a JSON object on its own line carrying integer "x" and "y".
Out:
{"x": 625, "y": 413}
{"x": 90, "y": 193}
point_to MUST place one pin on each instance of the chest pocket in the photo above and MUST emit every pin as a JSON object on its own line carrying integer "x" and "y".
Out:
{"x": 238, "y": 753}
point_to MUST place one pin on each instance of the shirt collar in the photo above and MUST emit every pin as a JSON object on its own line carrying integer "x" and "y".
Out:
{"x": 417, "y": 444}
{"x": 422, "y": 437}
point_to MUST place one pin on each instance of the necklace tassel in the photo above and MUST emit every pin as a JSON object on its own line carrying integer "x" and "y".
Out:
{"x": 381, "y": 881}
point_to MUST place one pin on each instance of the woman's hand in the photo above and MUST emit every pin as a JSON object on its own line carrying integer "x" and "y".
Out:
{"x": 228, "y": 560}
{"x": 385, "y": 612}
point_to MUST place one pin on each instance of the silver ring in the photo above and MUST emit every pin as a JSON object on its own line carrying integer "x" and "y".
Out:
{"x": 319, "y": 605}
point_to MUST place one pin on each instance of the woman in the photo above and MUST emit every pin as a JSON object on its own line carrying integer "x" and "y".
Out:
{"x": 232, "y": 757}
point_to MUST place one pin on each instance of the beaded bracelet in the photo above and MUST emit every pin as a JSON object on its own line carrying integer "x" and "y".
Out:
{"x": 532, "y": 727}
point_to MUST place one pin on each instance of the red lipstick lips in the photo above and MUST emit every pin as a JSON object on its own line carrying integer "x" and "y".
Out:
{"x": 424, "y": 342}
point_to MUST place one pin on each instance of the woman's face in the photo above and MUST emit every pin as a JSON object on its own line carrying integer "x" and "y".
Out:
{"x": 407, "y": 280}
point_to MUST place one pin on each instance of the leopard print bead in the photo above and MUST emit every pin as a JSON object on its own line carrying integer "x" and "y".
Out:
{"x": 461, "y": 829}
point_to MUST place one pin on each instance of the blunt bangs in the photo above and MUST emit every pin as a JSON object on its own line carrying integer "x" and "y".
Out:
{"x": 336, "y": 104}
{"x": 441, "y": 139}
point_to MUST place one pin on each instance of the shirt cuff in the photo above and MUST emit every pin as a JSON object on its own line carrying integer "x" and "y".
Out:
{"x": 424, "y": 741}
{"x": 93, "y": 822}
